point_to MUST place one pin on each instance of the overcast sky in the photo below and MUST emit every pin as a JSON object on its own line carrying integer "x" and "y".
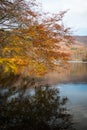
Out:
{"x": 76, "y": 18}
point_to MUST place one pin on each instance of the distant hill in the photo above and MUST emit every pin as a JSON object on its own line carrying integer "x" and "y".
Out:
{"x": 81, "y": 39}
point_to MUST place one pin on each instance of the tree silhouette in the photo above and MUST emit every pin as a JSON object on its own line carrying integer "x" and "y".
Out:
{"x": 39, "y": 109}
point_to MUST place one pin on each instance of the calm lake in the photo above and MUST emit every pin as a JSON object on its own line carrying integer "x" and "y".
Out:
{"x": 75, "y": 88}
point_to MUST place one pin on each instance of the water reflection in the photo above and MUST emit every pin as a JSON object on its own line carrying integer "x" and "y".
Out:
{"x": 44, "y": 109}
{"x": 78, "y": 72}
{"x": 73, "y": 72}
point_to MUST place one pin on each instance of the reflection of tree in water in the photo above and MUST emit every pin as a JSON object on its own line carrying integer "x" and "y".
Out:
{"x": 44, "y": 109}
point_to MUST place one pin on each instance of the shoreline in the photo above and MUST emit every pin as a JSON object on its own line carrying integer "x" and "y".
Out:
{"x": 76, "y": 61}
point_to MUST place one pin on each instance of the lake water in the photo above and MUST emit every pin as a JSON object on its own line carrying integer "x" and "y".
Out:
{"x": 76, "y": 91}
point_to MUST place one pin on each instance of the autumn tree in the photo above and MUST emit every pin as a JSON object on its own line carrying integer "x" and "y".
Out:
{"x": 44, "y": 38}
{"x": 29, "y": 38}
{"x": 14, "y": 14}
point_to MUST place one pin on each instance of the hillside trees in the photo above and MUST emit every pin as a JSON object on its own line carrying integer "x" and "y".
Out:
{"x": 28, "y": 38}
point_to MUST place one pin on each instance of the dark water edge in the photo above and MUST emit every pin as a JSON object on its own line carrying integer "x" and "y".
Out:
{"x": 42, "y": 104}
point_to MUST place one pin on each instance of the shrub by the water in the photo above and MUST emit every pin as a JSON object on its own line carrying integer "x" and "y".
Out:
{"x": 39, "y": 109}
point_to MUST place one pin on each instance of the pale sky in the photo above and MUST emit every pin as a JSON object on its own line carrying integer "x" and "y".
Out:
{"x": 76, "y": 17}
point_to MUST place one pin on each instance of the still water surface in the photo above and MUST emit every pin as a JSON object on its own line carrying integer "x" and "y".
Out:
{"x": 76, "y": 91}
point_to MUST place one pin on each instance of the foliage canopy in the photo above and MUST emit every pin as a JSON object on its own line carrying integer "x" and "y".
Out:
{"x": 30, "y": 38}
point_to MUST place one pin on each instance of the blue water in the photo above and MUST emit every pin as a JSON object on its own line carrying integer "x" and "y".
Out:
{"x": 77, "y": 95}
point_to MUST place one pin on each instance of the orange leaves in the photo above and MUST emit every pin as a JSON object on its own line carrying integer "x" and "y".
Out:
{"x": 58, "y": 27}
{"x": 34, "y": 41}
